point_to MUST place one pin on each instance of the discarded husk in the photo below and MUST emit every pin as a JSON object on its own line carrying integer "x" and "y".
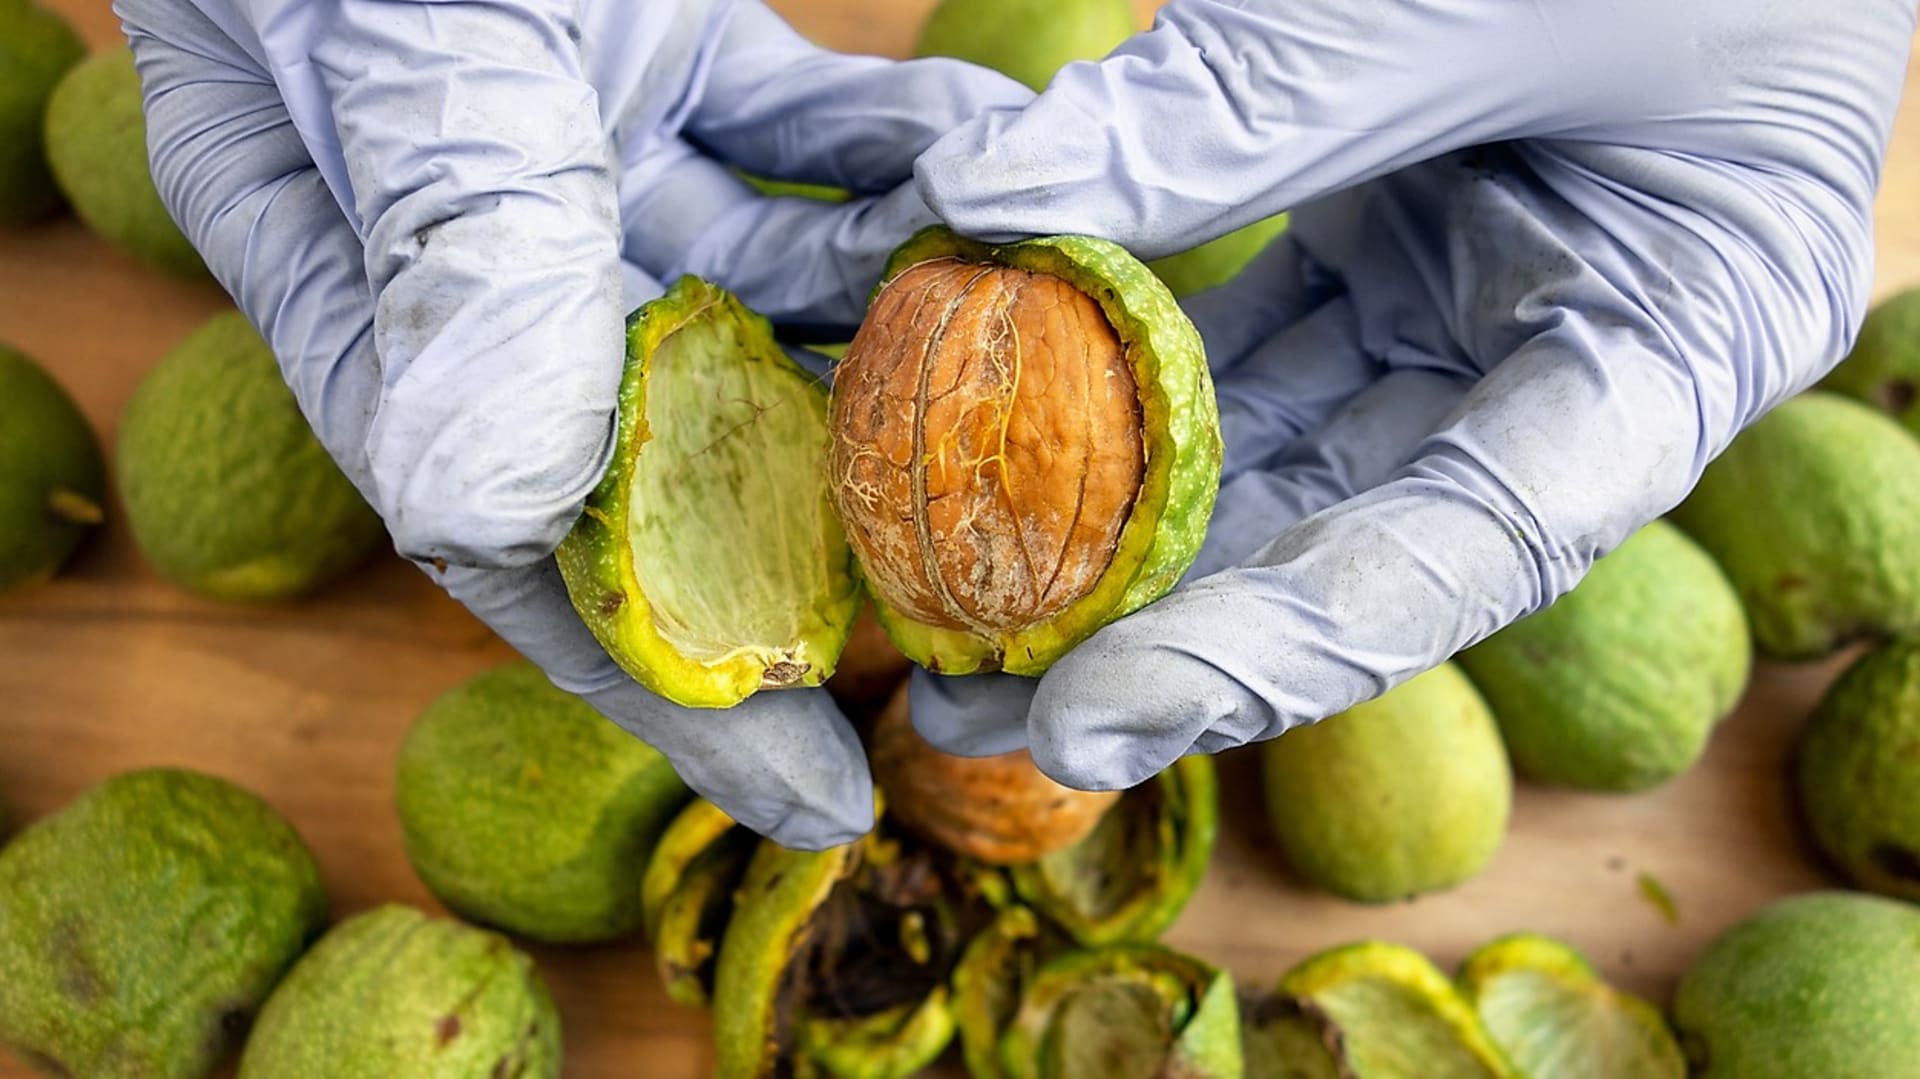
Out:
{"x": 1551, "y": 1015}
{"x": 1391, "y": 1014}
{"x": 1132, "y": 876}
{"x": 1124, "y": 1011}
{"x": 1279, "y": 1040}
{"x": 686, "y": 896}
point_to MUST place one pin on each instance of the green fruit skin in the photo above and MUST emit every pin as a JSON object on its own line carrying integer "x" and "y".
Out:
{"x": 1027, "y": 40}
{"x": 52, "y": 479}
{"x": 96, "y": 141}
{"x": 1820, "y": 984}
{"x": 1404, "y": 794}
{"x": 1617, "y": 685}
{"x": 1181, "y": 423}
{"x": 525, "y": 809}
{"x": 1814, "y": 514}
{"x": 1600, "y": 1032}
{"x": 1203, "y": 1014}
{"x": 595, "y": 559}
{"x": 144, "y": 923}
{"x": 1883, "y": 369}
{"x": 1857, "y": 771}
{"x": 37, "y": 46}
{"x": 228, "y": 492}
{"x": 1219, "y": 260}
{"x": 392, "y": 992}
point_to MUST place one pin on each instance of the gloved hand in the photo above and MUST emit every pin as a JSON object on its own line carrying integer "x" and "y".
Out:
{"x": 439, "y": 213}
{"x": 1545, "y": 261}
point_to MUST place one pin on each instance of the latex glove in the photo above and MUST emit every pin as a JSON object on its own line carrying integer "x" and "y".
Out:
{"x": 438, "y": 214}
{"x": 1546, "y": 260}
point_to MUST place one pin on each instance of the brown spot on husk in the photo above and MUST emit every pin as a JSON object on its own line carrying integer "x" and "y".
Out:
{"x": 447, "y": 1029}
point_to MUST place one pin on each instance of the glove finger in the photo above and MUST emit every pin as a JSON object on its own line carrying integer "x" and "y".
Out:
{"x": 786, "y": 764}
{"x": 779, "y": 106}
{"x": 974, "y": 715}
{"x": 1291, "y": 384}
{"x": 483, "y": 191}
{"x": 805, "y": 264}
{"x": 1581, "y": 436}
{"x": 1230, "y": 111}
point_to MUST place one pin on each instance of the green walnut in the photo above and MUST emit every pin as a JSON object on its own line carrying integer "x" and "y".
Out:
{"x": 1404, "y": 794}
{"x": 1026, "y": 40}
{"x": 1819, "y": 984}
{"x": 1385, "y": 1012}
{"x": 1814, "y": 514}
{"x": 686, "y": 896}
{"x": 227, "y": 490}
{"x": 1130, "y": 878}
{"x": 52, "y": 479}
{"x": 1124, "y": 1011}
{"x": 836, "y": 962}
{"x": 1857, "y": 771}
{"x": 1617, "y": 685}
{"x": 143, "y": 925}
{"x": 37, "y": 47}
{"x": 97, "y": 144}
{"x": 1883, "y": 369}
{"x": 1066, "y": 482}
{"x": 1552, "y": 1017}
{"x": 525, "y": 809}
{"x": 392, "y": 992}
{"x": 1025, "y": 447}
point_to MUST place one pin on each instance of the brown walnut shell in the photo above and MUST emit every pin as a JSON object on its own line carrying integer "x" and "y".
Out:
{"x": 988, "y": 445}
{"x": 1000, "y": 810}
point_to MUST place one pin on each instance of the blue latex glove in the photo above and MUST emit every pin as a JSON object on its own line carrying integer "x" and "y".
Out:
{"x": 438, "y": 213}
{"x": 1546, "y": 260}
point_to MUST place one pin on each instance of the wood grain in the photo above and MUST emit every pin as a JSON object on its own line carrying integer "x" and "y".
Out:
{"x": 108, "y": 668}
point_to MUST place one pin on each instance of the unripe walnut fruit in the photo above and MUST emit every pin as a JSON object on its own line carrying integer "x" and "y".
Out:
{"x": 987, "y": 444}
{"x": 1002, "y": 810}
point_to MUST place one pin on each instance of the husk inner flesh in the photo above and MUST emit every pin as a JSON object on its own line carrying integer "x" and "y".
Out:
{"x": 729, "y": 508}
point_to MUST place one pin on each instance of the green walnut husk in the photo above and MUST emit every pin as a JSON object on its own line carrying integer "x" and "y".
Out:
{"x": 228, "y": 492}
{"x": 1553, "y": 1018}
{"x": 1883, "y": 368}
{"x": 524, "y": 809}
{"x": 52, "y": 479}
{"x": 796, "y": 189}
{"x": 96, "y": 139}
{"x": 1819, "y": 984}
{"x": 997, "y": 966}
{"x": 142, "y": 925}
{"x": 1404, "y": 794}
{"x": 1617, "y": 685}
{"x": 392, "y": 992}
{"x": 1124, "y": 1011}
{"x": 1026, "y": 40}
{"x": 687, "y": 894}
{"x": 1857, "y": 771}
{"x": 1180, "y": 428}
{"x": 1385, "y": 1012}
{"x": 1219, "y": 260}
{"x": 836, "y": 962}
{"x": 708, "y": 561}
{"x": 1814, "y": 514}
{"x": 1280, "y": 1039}
{"x": 37, "y": 47}
{"x": 1130, "y": 878}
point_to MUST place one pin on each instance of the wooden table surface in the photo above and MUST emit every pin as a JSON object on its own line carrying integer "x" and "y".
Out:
{"x": 108, "y": 668}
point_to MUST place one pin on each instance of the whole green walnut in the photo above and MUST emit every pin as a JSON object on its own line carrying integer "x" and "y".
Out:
{"x": 1617, "y": 685}
{"x": 1819, "y": 984}
{"x": 1814, "y": 514}
{"x": 1027, "y": 40}
{"x": 142, "y": 925}
{"x": 525, "y": 809}
{"x": 37, "y": 46}
{"x": 97, "y": 145}
{"x": 51, "y": 476}
{"x": 393, "y": 993}
{"x": 1404, "y": 794}
{"x": 1857, "y": 771}
{"x": 227, "y": 490}
{"x": 1883, "y": 368}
